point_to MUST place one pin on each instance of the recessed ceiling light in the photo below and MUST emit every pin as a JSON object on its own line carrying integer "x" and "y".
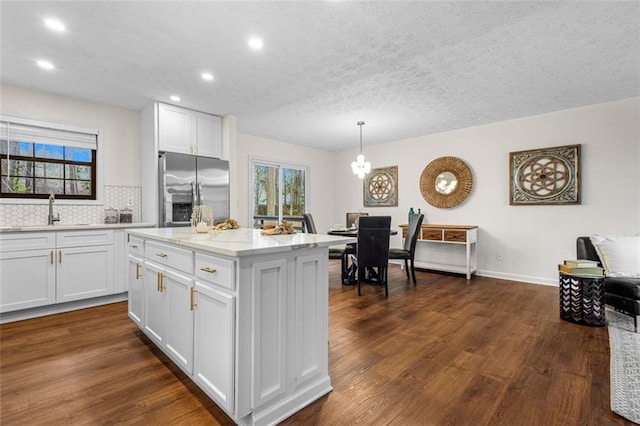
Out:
{"x": 255, "y": 43}
{"x": 45, "y": 64}
{"x": 207, "y": 76}
{"x": 175, "y": 98}
{"x": 55, "y": 25}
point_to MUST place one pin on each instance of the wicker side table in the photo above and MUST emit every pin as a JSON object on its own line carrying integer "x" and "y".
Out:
{"x": 582, "y": 300}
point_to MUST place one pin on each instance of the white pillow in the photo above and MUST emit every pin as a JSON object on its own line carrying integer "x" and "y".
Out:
{"x": 620, "y": 254}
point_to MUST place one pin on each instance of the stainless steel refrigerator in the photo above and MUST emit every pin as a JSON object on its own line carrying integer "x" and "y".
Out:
{"x": 187, "y": 181}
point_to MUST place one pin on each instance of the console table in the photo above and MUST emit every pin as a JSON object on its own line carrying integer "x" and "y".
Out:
{"x": 458, "y": 235}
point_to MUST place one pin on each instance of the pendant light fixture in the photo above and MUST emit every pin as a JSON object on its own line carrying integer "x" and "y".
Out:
{"x": 360, "y": 167}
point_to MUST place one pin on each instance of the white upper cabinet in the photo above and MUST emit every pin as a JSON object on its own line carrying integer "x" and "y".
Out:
{"x": 189, "y": 132}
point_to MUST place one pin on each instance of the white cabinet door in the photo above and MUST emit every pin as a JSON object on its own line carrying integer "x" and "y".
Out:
{"x": 174, "y": 129}
{"x": 178, "y": 308}
{"x": 214, "y": 344}
{"x": 27, "y": 279}
{"x": 84, "y": 272}
{"x": 134, "y": 283}
{"x": 207, "y": 131}
{"x": 153, "y": 306}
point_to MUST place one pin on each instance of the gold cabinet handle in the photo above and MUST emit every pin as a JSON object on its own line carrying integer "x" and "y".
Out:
{"x": 51, "y": 257}
{"x": 209, "y": 270}
{"x": 60, "y": 257}
{"x": 159, "y": 283}
{"x": 162, "y": 255}
{"x": 193, "y": 296}
{"x": 133, "y": 246}
{"x": 138, "y": 271}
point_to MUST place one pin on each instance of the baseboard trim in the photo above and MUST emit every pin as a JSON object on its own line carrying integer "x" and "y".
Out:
{"x": 59, "y": 308}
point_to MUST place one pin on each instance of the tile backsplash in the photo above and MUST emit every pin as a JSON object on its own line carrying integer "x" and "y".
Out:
{"x": 117, "y": 197}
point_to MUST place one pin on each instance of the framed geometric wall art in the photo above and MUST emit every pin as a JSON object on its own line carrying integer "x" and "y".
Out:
{"x": 545, "y": 176}
{"x": 381, "y": 187}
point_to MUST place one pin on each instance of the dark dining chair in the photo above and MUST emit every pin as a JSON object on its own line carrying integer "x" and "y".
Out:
{"x": 372, "y": 251}
{"x": 353, "y": 217}
{"x": 408, "y": 252}
{"x": 334, "y": 252}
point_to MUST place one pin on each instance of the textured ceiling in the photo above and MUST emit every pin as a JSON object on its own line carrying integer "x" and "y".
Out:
{"x": 405, "y": 68}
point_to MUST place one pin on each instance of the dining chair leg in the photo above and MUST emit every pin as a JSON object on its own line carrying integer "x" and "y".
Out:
{"x": 406, "y": 268}
{"x": 386, "y": 282}
{"x": 413, "y": 271}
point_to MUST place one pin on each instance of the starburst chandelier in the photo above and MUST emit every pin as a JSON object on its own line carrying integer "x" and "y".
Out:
{"x": 360, "y": 167}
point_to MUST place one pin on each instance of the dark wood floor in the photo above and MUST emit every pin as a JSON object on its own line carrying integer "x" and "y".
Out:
{"x": 446, "y": 352}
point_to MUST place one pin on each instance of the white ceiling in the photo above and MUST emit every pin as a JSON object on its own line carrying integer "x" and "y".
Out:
{"x": 406, "y": 68}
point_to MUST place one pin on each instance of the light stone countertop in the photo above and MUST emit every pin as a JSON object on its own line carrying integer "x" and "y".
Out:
{"x": 73, "y": 227}
{"x": 239, "y": 242}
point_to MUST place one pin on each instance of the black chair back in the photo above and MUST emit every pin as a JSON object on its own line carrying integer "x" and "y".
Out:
{"x": 413, "y": 232}
{"x": 309, "y": 224}
{"x": 373, "y": 241}
{"x": 353, "y": 217}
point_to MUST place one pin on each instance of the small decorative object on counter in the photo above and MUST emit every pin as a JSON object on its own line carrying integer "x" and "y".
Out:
{"x": 126, "y": 215}
{"x": 411, "y": 213}
{"x": 227, "y": 224}
{"x": 202, "y": 219}
{"x": 110, "y": 215}
{"x": 284, "y": 228}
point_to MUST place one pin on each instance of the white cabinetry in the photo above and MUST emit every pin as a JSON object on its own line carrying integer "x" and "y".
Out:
{"x": 27, "y": 270}
{"x": 134, "y": 281}
{"x": 189, "y": 132}
{"x": 255, "y": 327}
{"x": 45, "y": 268}
{"x": 135, "y": 265}
{"x": 168, "y": 303}
{"x": 214, "y": 361}
{"x": 214, "y": 351}
{"x": 85, "y": 264}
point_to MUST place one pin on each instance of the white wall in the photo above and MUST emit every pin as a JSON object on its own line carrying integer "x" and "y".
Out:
{"x": 119, "y": 127}
{"x": 532, "y": 239}
{"x": 320, "y": 179}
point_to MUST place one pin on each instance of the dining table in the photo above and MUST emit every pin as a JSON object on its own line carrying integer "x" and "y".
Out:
{"x": 349, "y": 276}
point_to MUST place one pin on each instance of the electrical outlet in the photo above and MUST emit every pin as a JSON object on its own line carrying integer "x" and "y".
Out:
{"x": 499, "y": 257}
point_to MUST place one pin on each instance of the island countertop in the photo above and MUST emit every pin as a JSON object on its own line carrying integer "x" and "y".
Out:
{"x": 239, "y": 242}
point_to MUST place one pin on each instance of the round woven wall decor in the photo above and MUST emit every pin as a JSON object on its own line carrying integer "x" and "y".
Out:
{"x": 429, "y": 178}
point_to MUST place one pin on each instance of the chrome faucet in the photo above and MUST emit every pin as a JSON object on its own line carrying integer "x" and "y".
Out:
{"x": 52, "y": 219}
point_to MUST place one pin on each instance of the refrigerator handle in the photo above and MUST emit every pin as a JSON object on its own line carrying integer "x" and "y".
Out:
{"x": 200, "y": 196}
{"x": 194, "y": 195}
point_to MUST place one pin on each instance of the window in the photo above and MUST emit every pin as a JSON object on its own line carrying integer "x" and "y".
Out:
{"x": 36, "y": 160}
{"x": 279, "y": 193}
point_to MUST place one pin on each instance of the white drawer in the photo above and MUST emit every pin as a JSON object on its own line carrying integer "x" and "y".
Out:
{"x": 174, "y": 257}
{"x": 97, "y": 237}
{"x": 216, "y": 270}
{"x": 16, "y": 241}
{"x": 136, "y": 245}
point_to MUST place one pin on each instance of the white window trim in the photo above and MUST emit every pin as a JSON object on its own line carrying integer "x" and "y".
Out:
{"x": 69, "y": 128}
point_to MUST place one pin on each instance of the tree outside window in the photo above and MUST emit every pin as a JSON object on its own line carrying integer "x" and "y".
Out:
{"x": 279, "y": 193}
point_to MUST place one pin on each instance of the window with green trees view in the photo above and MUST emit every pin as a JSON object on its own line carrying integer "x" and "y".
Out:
{"x": 279, "y": 193}
{"x": 36, "y": 161}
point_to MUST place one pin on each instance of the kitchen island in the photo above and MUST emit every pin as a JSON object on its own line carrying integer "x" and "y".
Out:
{"x": 245, "y": 316}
